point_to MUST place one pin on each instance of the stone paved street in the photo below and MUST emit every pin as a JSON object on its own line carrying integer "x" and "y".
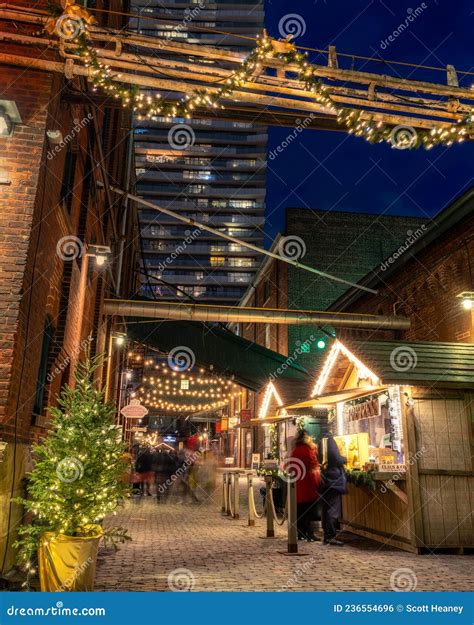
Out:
{"x": 222, "y": 554}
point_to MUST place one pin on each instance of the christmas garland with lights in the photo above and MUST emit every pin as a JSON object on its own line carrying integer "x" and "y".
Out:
{"x": 356, "y": 121}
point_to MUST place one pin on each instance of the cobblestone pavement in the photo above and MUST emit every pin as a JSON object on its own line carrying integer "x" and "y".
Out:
{"x": 195, "y": 547}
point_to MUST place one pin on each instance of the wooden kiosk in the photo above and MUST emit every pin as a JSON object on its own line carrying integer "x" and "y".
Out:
{"x": 402, "y": 414}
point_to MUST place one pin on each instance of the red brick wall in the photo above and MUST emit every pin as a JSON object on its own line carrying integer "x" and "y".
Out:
{"x": 425, "y": 290}
{"x": 35, "y": 282}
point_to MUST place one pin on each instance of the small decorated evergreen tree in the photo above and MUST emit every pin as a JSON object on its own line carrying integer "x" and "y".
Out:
{"x": 79, "y": 466}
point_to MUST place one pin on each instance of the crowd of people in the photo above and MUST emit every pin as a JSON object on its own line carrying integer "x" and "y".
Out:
{"x": 319, "y": 487}
{"x": 184, "y": 476}
{"x": 188, "y": 475}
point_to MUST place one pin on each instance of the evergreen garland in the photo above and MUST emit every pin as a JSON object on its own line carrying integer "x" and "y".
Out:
{"x": 362, "y": 478}
{"x": 356, "y": 121}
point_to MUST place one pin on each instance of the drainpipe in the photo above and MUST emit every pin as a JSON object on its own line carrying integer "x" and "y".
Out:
{"x": 123, "y": 225}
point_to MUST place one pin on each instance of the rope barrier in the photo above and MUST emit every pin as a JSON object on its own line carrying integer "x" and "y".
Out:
{"x": 275, "y": 516}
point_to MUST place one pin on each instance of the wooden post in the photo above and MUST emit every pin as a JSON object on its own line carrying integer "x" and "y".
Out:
{"x": 229, "y": 494}
{"x": 251, "y": 506}
{"x": 332, "y": 57}
{"x": 224, "y": 493}
{"x": 269, "y": 507}
{"x": 236, "y": 495}
{"x": 412, "y": 476}
{"x": 292, "y": 518}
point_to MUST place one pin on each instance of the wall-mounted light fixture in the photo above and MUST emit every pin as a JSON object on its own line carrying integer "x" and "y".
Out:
{"x": 99, "y": 252}
{"x": 9, "y": 116}
{"x": 467, "y": 299}
{"x": 119, "y": 338}
{"x": 55, "y": 137}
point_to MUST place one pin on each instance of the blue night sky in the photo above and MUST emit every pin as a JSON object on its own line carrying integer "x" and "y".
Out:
{"x": 334, "y": 171}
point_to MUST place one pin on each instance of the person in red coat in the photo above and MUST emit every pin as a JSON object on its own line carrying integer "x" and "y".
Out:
{"x": 303, "y": 467}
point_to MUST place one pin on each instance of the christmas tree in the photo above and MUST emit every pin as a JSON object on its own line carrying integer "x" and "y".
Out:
{"x": 78, "y": 471}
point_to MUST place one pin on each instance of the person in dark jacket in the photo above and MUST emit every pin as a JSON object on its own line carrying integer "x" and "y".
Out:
{"x": 334, "y": 486}
{"x": 303, "y": 464}
{"x": 144, "y": 466}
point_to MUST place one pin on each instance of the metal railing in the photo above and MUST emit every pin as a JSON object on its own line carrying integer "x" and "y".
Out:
{"x": 231, "y": 505}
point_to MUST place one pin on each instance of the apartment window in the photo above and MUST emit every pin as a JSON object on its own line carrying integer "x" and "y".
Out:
{"x": 43, "y": 367}
{"x": 216, "y": 261}
{"x": 196, "y": 188}
{"x": 197, "y": 175}
{"x": 241, "y": 262}
{"x": 241, "y": 204}
{"x": 244, "y": 163}
{"x": 240, "y": 277}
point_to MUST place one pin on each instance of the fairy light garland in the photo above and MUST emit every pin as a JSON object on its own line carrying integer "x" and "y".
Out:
{"x": 162, "y": 388}
{"x": 356, "y": 121}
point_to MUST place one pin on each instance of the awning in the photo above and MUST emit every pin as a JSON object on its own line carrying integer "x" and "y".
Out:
{"x": 215, "y": 347}
{"x": 335, "y": 397}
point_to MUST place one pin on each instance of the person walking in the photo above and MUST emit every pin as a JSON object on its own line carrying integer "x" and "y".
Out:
{"x": 334, "y": 485}
{"x": 144, "y": 466}
{"x": 304, "y": 466}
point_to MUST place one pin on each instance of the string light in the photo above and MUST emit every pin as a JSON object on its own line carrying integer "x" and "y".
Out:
{"x": 357, "y": 121}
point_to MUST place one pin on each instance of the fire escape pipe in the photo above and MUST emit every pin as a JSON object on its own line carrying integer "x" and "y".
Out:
{"x": 235, "y": 314}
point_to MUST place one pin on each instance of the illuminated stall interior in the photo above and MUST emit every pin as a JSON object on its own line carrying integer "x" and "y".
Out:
{"x": 402, "y": 415}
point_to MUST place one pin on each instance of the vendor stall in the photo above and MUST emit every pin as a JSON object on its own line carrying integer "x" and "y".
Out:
{"x": 402, "y": 415}
{"x": 279, "y": 425}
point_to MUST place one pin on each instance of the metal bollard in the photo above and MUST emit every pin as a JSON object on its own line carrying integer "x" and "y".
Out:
{"x": 236, "y": 495}
{"x": 292, "y": 518}
{"x": 268, "y": 507}
{"x": 224, "y": 493}
{"x": 251, "y": 502}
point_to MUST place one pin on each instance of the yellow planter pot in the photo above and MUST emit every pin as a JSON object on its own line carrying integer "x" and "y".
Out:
{"x": 67, "y": 563}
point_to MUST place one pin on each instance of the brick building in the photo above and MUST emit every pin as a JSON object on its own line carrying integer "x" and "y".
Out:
{"x": 55, "y": 167}
{"x": 344, "y": 244}
{"x": 424, "y": 281}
